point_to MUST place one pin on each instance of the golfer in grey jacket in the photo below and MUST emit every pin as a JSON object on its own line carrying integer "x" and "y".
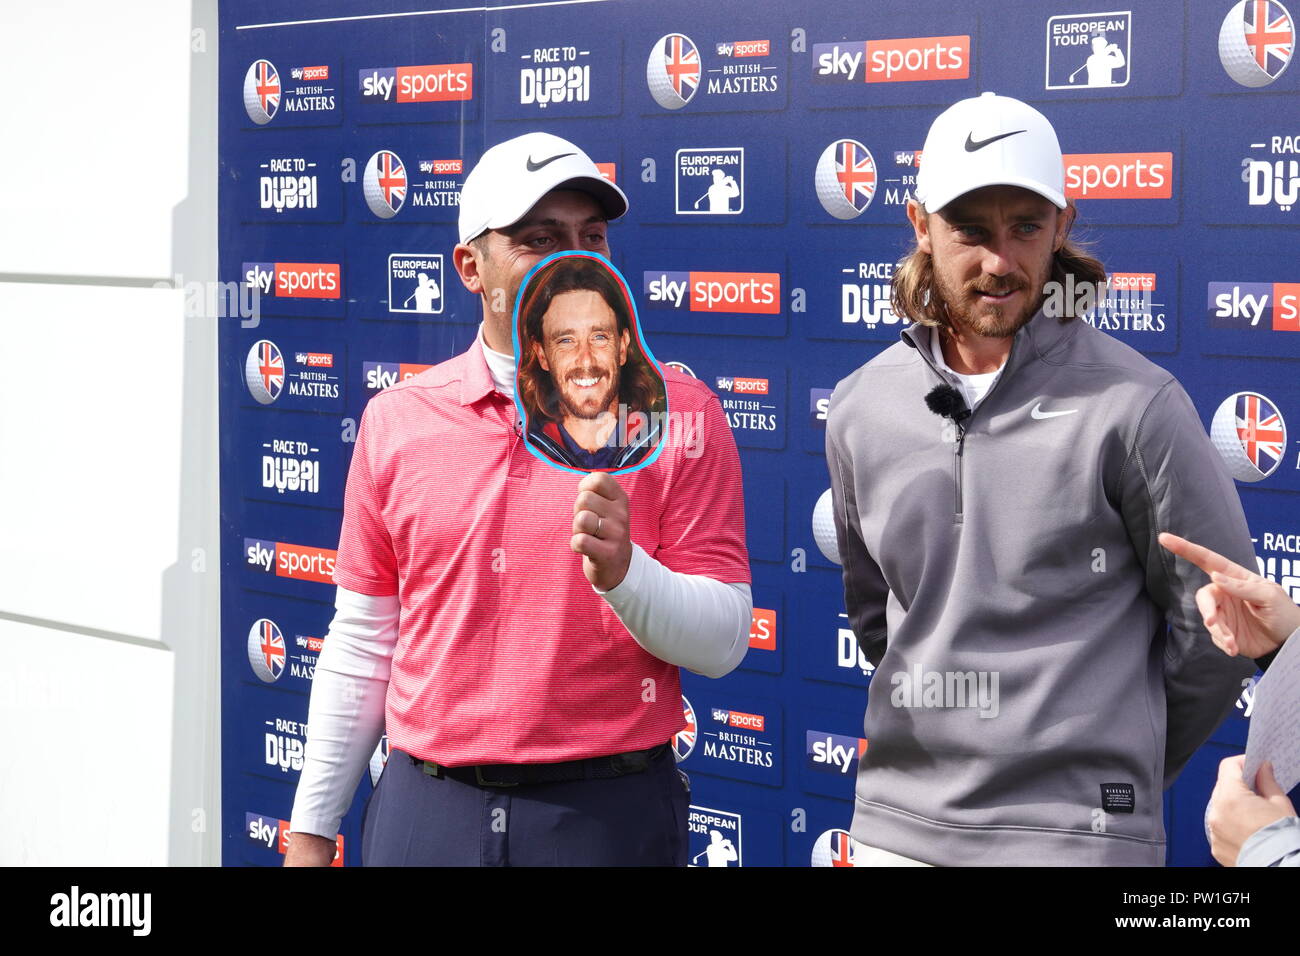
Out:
{"x": 1000, "y": 477}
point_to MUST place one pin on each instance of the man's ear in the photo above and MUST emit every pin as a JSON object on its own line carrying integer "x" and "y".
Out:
{"x": 622, "y": 347}
{"x": 540, "y": 356}
{"x": 466, "y": 260}
{"x": 916, "y": 215}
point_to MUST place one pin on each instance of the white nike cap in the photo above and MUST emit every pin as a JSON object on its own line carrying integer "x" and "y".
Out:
{"x": 989, "y": 140}
{"x": 512, "y": 176}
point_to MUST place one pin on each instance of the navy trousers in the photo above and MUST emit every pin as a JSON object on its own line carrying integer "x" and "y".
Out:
{"x": 414, "y": 819}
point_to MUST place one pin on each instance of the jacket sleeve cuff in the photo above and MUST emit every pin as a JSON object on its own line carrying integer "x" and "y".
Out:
{"x": 1277, "y": 844}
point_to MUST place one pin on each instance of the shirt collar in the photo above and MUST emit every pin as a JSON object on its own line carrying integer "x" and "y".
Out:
{"x": 476, "y": 383}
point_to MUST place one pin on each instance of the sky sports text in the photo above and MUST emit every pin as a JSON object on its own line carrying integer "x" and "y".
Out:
{"x": 76, "y": 909}
{"x": 749, "y": 292}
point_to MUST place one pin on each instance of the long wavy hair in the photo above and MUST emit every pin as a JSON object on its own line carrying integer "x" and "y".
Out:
{"x": 640, "y": 387}
{"x": 915, "y": 295}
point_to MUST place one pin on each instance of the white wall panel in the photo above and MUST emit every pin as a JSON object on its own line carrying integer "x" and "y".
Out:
{"x": 85, "y": 738}
{"x": 90, "y": 446}
{"x": 95, "y": 122}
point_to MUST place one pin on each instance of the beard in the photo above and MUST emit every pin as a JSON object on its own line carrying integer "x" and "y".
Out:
{"x": 967, "y": 314}
{"x": 586, "y": 408}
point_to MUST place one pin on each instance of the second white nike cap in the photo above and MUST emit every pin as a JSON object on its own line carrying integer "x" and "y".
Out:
{"x": 512, "y": 176}
{"x": 989, "y": 140}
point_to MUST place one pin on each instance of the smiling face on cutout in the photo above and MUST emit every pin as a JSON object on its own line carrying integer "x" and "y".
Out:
{"x": 584, "y": 351}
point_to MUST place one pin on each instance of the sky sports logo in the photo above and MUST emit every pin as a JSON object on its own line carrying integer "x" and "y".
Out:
{"x": 762, "y": 630}
{"x": 294, "y": 280}
{"x": 272, "y": 833}
{"x": 739, "y": 719}
{"x": 833, "y": 753}
{"x": 434, "y": 83}
{"x": 743, "y": 386}
{"x": 739, "y": 48}
{"x": 377, "y": 376}
{"x": 749, "y": 292}
{"x": 909, "y": 60}
{"x": 1119, "y": 175}
{"x": 296, "y": 561}
{"x": 1255, "y": 305}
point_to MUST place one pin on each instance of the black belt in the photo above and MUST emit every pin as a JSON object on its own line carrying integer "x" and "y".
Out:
{"x": 514, "y": 774}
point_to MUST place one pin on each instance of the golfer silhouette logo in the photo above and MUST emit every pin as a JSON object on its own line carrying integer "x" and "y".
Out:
{"x": 591, "y": 396}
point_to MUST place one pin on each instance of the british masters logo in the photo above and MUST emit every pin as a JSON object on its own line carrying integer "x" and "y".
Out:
{"x": 266, "y": 650}
{"x": 265, "y": 94}
{"x": 1250, "y": 436}
{"x": 384, "y": 184}
{"x": 265, "y": 375}
{"x": 1273, "y": 180}
{"x": 1089, "y": 50}
{"x": 711, "y": 181}
{"x": 415, "y": 283}
{"x": 1256, "y": 42}
{"x": 684, "y": 739}
{"x": 558, "y": 74}
{"x": 261, "y": 92}
{"x": 846, "y": 178}
{"x": 673, "y": 71}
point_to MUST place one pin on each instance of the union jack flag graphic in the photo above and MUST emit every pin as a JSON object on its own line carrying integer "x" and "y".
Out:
{"x": 391, "y": 176}
{"x": 856, "y": 171}
{"x": 270, "y": 368}
{"x": 268, "y": 87}
{"x": 682, "y": 62}
{"x": 266, "y": 650}
{"x": 1261, "y": 431}
{"x": 684, "y": 740}
{"x": 1270, "y": 35}
{"x": 841, "y": 848}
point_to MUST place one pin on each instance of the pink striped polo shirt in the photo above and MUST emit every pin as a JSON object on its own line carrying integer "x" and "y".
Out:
{"x": 505, "y": 653}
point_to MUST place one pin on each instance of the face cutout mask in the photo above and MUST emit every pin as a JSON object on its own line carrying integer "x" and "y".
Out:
{"x": 589, "y": 392}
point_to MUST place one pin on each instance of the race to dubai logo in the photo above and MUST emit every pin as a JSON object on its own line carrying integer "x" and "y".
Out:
{"x": 261, "y": 92}
{"x": 266, "y": 650}
{"x": 1250, "y": 436}
{"x": 384, "y": 184}
{"x": 846, "y": 178}
{"x": 1256, "y": 42}
{"x": 684, "y": 739}
{"x": 673, "y": 71}
{"x": 264, "y": 371}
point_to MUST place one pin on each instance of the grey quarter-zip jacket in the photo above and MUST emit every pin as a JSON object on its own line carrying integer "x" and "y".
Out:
{"x": 1041, "y": 670}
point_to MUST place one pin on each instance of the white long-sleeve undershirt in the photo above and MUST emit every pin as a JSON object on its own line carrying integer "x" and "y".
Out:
{"x": 689, "y": 620}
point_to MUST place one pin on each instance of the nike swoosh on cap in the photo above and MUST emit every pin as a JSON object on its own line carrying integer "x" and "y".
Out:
{"x": 534, "y": 166}
{"x": 972, "y": 145}
{"x": 1038, "y": 414}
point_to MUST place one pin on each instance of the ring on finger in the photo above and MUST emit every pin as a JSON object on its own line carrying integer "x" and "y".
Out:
{"x": 599, "y": 519}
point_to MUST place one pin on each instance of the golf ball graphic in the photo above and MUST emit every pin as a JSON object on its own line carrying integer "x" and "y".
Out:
{"x": 1245, "y": 49}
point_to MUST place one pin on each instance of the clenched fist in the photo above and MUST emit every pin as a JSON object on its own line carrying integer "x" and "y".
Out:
{"x": 600, "y": 530}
